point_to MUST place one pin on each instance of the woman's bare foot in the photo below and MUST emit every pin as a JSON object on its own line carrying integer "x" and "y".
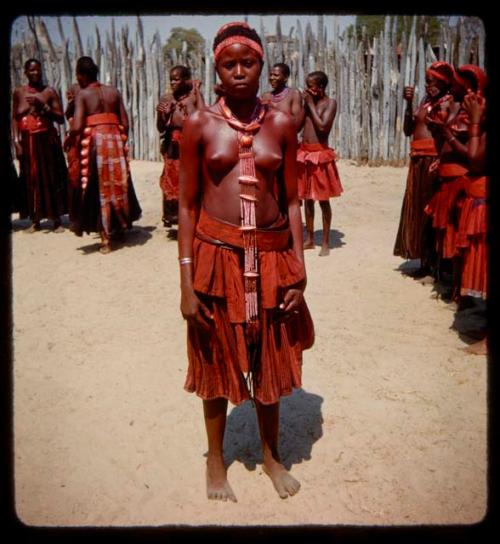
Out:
{"x": 308, "y": 244}
{"x": 478, "y": 348}
{"x": 284, "y": 483}
{"x": 57, "y": 227}
{"x": 325, "y": 250}
{"x": 105, "y": 247}
{"x": 218, "y": 487}
{"x": 34, "y": 227}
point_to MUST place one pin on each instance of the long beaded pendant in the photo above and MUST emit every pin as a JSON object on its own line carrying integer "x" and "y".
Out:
{"x": 248, "y": 199}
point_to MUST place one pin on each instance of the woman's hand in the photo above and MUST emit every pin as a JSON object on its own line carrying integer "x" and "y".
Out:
{"x": 68, "y": 142}
{"x": 35, "y": 101}
{"x": 474, "y": 105}
{"x": 408, "y": 93}
{"x": 195, "y": 312}
{"x": 435, "y": 124}
{"x": 307, "y": 96}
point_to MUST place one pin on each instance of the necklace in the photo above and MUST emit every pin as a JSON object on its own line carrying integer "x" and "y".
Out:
{"x": 277, "y": 97}
{"x": 33, "y": 90}
{"x": 431, "y": 104}
{"x": 248, "y": 182}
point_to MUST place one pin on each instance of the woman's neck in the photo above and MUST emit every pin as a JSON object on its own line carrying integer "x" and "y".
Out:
{"x": 243, "y": 110}
{"x": 36, "y": 85}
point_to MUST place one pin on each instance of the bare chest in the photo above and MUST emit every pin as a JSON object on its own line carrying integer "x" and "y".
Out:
{"x": 221, "y": 152}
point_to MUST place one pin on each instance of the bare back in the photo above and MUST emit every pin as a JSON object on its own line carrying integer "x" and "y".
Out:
{"x": 98, "y": 98}
{"x": 102, "y": 99}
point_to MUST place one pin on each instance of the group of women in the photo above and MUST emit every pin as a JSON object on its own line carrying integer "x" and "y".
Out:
{"x": 240, "y": 238}
{"x": 444, "y": 215}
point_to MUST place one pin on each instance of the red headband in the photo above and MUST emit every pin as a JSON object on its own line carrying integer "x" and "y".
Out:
{"x": 476, "y": 73}
{"x": 438, "y": 75}
{"x": 252, "y": 44}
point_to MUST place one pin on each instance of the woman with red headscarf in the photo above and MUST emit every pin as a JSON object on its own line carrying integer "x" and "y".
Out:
{"x": 443, "y": 120}
{"x": 470, "y": 318}
{"x": 414, "y": 239}
{"x": 241, "y": 257}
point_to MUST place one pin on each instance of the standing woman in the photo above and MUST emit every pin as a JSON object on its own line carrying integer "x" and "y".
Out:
{"x": 241, "y": 258}
{"x": 43, "y": 173}
{"x": 105, "y": 200}
{"x": 170, "y": 115}
{"x": 285, "y": 98}
{"x": 471, "y": 316}
{"x": 414, "y": 239}
{"x": 318, "y": 175}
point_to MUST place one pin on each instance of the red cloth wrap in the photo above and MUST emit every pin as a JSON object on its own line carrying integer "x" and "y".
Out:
{"x": 102, "y": 119}
{"x": 471, "y": 238}
{"x": 444, "y": 207}
{"x": 318, "y": 177}
{"x": 169, "y": 179}
{"x": 33, "y": 124}
{"x": 423, "y": 148}
{"x": 218, "y": 359}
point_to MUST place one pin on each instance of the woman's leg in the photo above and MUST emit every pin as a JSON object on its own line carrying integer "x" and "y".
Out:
{"x": 326, "y": 211}
{"x": 268, "y": 416}
{"x": 309, "y": 213}
{"x": 105, "y": 243}
{"x": 218, "y": 487}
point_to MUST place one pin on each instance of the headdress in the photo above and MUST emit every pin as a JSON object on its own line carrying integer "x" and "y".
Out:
{"x": 237, "y": 32}
{"x": 441, "y": 70}
{"x": 475, "y": 73}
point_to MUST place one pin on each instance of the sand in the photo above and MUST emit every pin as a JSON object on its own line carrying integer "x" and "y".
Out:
{"x": 389, "y": 427}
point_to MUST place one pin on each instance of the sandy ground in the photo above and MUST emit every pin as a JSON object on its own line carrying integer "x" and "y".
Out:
{"x": 389, "y": 428}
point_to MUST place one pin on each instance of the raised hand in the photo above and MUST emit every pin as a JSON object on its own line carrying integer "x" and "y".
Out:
{"x": 474, "y": 104}
{"x": 409, "y": 93}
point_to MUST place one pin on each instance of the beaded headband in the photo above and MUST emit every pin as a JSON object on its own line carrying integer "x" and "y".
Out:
{"x": 245, "y": 40}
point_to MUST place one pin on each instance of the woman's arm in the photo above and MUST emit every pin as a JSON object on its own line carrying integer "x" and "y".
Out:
{"x": 190, "y": 187}
{"x": 409, "y": 119}
{"x": 297, "y": 109}
{"x": 15, "y": 129}
{"x": 79, "y": 116}
{"x": 199, "y": 100}
{"x": 475, "y": 106}
{"x": 322, "y": 122}
{"x": 293, "y": 296}
{"x": 123, "y": 114}
{"x": 55, "y": 109}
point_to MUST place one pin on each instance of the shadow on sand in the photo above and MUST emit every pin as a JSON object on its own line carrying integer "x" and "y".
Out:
{"x": 300, "y": 427}
{"x": 136, "y": 236}
{"x": 334, "y": 239}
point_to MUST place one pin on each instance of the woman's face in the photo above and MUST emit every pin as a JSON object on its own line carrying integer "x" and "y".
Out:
{"x": 178, "y": 83}
{"x": 314, "y": 88}
{"x": 34, "y": 72}
{"x": 434, "y": 87}
{"x": 239, "y": 69}
{"x": 277, "y": 78}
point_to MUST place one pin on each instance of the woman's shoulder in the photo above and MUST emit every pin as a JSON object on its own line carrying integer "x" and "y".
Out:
{"x": 202, "y": 118}
{"x": 278, "y": 118}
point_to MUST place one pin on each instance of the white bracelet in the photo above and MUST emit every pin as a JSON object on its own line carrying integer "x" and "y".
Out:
{"x": 185, "y": 260}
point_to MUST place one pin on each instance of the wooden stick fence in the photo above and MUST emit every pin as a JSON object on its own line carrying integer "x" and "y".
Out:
{"x": 366, "y": 77}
